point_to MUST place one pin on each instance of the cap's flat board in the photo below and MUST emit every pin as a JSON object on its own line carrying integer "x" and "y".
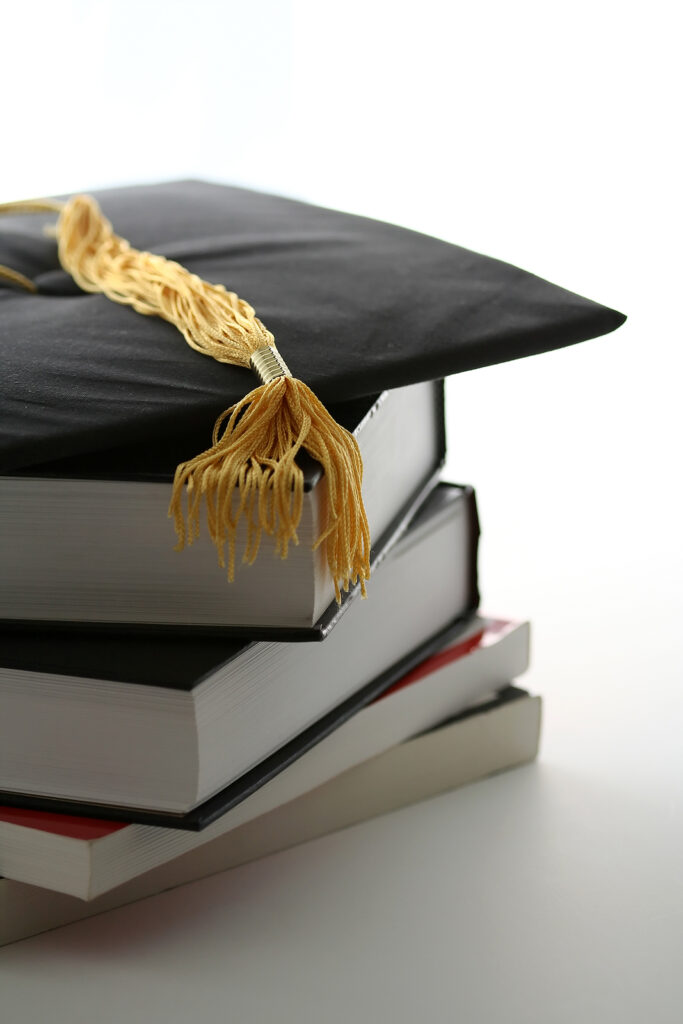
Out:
{"x": 356, "y": 306}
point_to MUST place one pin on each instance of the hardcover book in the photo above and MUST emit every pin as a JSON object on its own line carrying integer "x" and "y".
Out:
{"x": 86, "y": 542}
{"x": 175, "y": 731}
{"x": 87, "y": 858}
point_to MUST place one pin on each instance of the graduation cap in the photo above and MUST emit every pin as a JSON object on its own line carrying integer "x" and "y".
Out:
{"x": 356, "y": 306}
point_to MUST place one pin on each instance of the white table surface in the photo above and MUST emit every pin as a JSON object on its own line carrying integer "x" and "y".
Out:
{"x": 552, "y": 894}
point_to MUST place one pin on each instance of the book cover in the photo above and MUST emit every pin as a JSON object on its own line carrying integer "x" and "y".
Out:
{"x": 483, "y": 740}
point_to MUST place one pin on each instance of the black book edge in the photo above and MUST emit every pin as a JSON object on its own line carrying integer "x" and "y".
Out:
{"x": 289, "y": 634}
{"x": 213, "y": 808}
{"x": 206, "y": 654}
{"x": 506, "y": 695}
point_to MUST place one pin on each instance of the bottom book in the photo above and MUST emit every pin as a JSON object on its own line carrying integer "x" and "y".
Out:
{"x": 488, "y": 737}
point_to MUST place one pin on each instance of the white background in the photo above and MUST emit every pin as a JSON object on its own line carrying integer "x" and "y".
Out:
{"x": 547, "y": 135}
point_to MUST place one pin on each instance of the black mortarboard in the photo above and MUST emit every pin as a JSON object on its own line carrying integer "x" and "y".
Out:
{"x": 355, "y": 305}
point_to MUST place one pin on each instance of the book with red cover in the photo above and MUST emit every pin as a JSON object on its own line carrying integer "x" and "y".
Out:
{"x": 484, "y": 739}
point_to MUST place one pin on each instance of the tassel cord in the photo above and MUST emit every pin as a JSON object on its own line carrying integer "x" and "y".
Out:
{"x": 250, "y": 471}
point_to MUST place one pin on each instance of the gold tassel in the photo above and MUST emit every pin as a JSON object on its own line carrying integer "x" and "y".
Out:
{"x": 250, "y": 471}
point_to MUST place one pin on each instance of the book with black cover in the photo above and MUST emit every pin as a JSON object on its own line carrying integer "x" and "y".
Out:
{"x": 186, "y": 730}
{"x": 89, "y": 856}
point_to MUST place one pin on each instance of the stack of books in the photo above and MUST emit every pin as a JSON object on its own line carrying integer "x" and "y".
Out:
{"x": 159, "y": 724}
{"x": 135, "y": 760}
